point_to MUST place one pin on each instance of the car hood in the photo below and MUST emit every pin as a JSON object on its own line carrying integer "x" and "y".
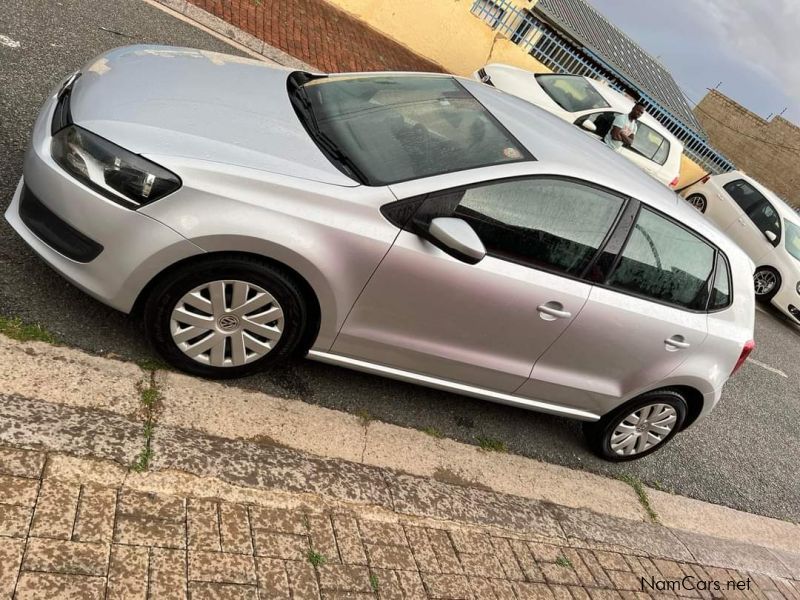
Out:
{"x": 189, "y": 103}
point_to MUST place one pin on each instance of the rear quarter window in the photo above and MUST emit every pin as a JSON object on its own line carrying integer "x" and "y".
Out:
{"x": 721, "y": 292}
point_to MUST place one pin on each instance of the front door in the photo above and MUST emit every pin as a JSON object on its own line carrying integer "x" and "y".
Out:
{"x": 484, "y": 324}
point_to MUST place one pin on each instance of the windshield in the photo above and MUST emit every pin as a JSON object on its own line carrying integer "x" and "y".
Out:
{"x": 385, "y": 129}
{"x": 571, "y": 92}
{"x": 792, "y": 240}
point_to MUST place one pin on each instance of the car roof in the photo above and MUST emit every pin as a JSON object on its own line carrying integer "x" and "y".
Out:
{"x": 555, "y": 141}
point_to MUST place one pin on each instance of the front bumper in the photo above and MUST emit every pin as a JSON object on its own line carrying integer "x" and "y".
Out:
{"x": 134, "y": 247}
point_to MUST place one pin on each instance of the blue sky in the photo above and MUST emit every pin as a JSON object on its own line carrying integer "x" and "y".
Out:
{"x": 752, "y": 46}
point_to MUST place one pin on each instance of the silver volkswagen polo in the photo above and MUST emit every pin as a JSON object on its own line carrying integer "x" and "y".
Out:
{"x": 422, "y": 227}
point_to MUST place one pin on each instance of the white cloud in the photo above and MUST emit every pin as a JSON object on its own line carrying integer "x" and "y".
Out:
{"x": 763, "y": 34}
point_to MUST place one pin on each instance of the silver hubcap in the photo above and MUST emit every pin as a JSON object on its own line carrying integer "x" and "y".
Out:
{"x": 698, "y": 202}
{"x": 643, "y": 429}
{"x": 764, "y": 281}
{"x": 226, "y": 323}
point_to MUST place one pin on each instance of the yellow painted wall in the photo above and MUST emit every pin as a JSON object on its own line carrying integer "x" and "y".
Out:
{"x": 690, "y": 172}
{"x": 444, "y": 31}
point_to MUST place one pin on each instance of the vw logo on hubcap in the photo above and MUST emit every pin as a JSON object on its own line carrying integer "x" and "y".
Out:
{"x": 228, "y": 322}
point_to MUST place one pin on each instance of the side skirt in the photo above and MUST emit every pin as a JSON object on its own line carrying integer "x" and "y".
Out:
{"x": 451, "y": 386}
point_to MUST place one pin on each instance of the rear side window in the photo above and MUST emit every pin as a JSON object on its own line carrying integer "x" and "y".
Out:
{"x": 549, "y": 223}
{"x": 721, "y": 293}
{"x": 665, "y": 262}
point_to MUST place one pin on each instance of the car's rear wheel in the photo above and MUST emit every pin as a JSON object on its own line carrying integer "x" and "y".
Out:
{"x": 698, "y": 201}
{"x": 226, "y": 317}
{"x": 639, "y": 427}
{"x": 766, "y": 282}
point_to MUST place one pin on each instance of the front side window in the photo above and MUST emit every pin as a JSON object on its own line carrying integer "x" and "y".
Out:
{"x": 571, "y": 92}
{"x": 650, "y": 144}
{"x": 744, "y": 194}
{"x": 548, "y": 223}
{"x": 385, "y": 129}
{"x": 665, "y": 262}
{"x": 766, "y": 218}
{"x": 792, "y": 240}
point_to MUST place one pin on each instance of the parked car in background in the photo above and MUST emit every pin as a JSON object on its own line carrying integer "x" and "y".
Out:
{"x": 592, "y": 105}
{"x": 421, "y": 227}
{"x": 766, "y": 228}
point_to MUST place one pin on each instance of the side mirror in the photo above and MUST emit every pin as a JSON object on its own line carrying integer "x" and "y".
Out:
{"x": 589, "y": 125}
{"x": 457, "y": 238}
{"x": 770, "y": 235}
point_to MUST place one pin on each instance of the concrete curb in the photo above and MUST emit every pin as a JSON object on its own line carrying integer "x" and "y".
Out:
{"x": 65, "y": 400}
{"x": 184, "y": 10}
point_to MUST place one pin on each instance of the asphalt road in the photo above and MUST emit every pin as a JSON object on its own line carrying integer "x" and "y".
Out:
{"x": 745, "y": 455}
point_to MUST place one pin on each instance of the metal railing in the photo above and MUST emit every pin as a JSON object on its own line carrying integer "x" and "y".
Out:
{"x": 562, "y": 56}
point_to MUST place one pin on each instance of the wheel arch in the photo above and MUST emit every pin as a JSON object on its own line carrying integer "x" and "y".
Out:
{"x": 310, "y": 293}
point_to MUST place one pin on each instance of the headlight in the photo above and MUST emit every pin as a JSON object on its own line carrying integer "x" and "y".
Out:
{"x": 121, "y": 176}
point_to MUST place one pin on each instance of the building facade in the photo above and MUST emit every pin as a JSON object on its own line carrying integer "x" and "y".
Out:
{"x": 768, "y": 151}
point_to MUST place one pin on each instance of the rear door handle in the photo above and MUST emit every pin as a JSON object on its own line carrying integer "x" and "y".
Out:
{"x": 553, "y": 310}
{"x": 676, "y": 342}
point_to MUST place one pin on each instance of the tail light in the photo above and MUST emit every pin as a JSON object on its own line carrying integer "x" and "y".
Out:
{"x": 705, "y": 179}
{"x": 674, "y": 182}
{"x": 746, "y": 351}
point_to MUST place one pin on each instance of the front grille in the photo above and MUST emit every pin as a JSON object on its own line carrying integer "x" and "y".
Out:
{"x": 59, "y": 235}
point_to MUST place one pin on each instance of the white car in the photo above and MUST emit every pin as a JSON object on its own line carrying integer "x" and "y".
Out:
{"x": 766, "y": 228}
{"x": 592, "y": 105}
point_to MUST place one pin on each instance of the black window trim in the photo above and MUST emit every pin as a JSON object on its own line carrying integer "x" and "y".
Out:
{"x": 610, "y": 249}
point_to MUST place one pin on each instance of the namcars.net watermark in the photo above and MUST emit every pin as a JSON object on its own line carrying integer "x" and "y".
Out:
{"x": 690, "y": 582}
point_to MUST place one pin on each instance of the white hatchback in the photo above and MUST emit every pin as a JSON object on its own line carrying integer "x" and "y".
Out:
{"x": 766, "y": 228}
{"x": 592, "y": 105}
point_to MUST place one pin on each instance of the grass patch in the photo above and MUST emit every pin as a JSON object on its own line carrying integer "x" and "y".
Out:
{"x": 149, "y": 396}
{"x": 315, "y": 558}
{"x": 491, "y": 445}
{"x": 373, "y": 582}
{"x": 19, "y": 330}
{"x": 364, "y": 417}
{"x": 641, "y": 493}
{"x": 563, "y": 561}
{"x": 433, "y": 432}
{"x": 152, "y": 364}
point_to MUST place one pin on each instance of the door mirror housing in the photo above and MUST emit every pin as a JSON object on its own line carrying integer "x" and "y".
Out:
{"x": 456, "y": 238}
{"x": 770, "y": 235}
{"x": 589, "y": 125}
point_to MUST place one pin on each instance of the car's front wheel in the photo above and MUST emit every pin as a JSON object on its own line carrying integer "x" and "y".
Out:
{"x": 226, "y": 317}
{"x": 639, "y": 427}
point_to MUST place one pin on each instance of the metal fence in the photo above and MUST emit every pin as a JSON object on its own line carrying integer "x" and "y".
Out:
{"x": 562, "y": 56}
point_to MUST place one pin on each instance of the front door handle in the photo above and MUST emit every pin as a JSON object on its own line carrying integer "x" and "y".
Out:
{"x": 553, "y": 310}
{"x": 676, "y": 342}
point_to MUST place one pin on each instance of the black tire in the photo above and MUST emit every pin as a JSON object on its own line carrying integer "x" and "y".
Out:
{"x": 598, "y": 434}
{"x": 277, "y": 281}
{"x": 775, "y": 289}
{"x": 698, "y": 201}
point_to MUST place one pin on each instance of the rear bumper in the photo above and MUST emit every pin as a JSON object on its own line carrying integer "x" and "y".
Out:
{"x": 118, "y": 250}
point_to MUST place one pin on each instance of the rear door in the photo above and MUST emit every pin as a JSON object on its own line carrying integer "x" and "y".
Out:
{"x": 757, "y": 216}
{"x": 640, "y": 323}
{"x": 483, "y": 324}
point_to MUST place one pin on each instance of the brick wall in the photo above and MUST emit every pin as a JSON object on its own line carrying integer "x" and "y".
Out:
{"x": 737, "y": 133}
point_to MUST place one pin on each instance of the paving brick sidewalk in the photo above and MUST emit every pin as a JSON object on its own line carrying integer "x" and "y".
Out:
{"x": 72, "y": 537}
{"x": 317, "y": 33}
